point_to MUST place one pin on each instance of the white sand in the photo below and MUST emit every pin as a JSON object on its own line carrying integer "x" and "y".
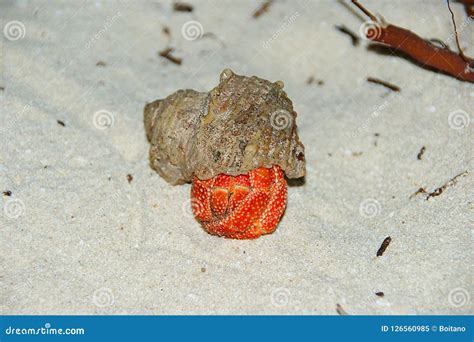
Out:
{"x": 88, "y": 242}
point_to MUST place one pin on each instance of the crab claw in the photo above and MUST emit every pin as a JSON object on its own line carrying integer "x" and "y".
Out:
{"x": 240, "y": 207}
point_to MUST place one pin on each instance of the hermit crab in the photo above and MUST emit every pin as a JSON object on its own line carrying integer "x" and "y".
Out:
{"x": 235, "y": 144}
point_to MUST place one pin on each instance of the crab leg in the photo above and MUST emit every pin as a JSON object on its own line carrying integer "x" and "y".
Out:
{"x": 200, "y": 199}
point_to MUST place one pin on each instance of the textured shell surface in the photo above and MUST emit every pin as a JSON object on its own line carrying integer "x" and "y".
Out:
{"x": 242, "y": 124}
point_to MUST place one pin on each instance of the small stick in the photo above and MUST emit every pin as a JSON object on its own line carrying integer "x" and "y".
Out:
{"x": 384, "y": 246}
{"x": 420, "y": 154}
{"x": 365, "y": 10}
{"x": 439, "y": 42}
{"x": 385, "y": 84}
{"x": 449, "y": 183}
{"x": 461, "y": 53}
{"x": 354, "y": 37}
{"x": 166, "y": 53}
{"x": 340, "y": 310}
{"x": 419, "y": 191}
{"x": 182, "y": 7}
{"x": 262, "y": 9}
{"x": 376, "y": 135}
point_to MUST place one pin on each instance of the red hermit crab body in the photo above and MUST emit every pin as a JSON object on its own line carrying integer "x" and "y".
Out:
{"x": 240, "y": 207}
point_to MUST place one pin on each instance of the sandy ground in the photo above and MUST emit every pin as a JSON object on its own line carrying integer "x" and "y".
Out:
{"x": 76, "y": 237}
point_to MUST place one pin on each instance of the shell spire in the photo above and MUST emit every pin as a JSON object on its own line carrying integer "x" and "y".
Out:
{"x": 242, "y": 124}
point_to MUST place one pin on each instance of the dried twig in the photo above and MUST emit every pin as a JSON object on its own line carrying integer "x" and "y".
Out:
{"x": 440, "y": 190}
{"x": 166, "y": 53}
{"x": 385, "y": 84}
{"x": 461, "y": 53}
{"x": 354, "y": 37}
{"x": 182, "y": 7}
{"x": 449, "y": 183}
{"x": 419, "y": 49}
{"x": 420, "y": 154}
{"x": 417, "y": 192}
{"x": 311, "y": 80}
{"x": 441, "y": 44}
{"x": 340, "y": 310}
{"x": 262, "y": 9}
{"x": 384, "y": 246}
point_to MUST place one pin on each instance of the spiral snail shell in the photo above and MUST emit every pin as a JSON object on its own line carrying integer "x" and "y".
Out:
{"x": 242, "y": 124}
